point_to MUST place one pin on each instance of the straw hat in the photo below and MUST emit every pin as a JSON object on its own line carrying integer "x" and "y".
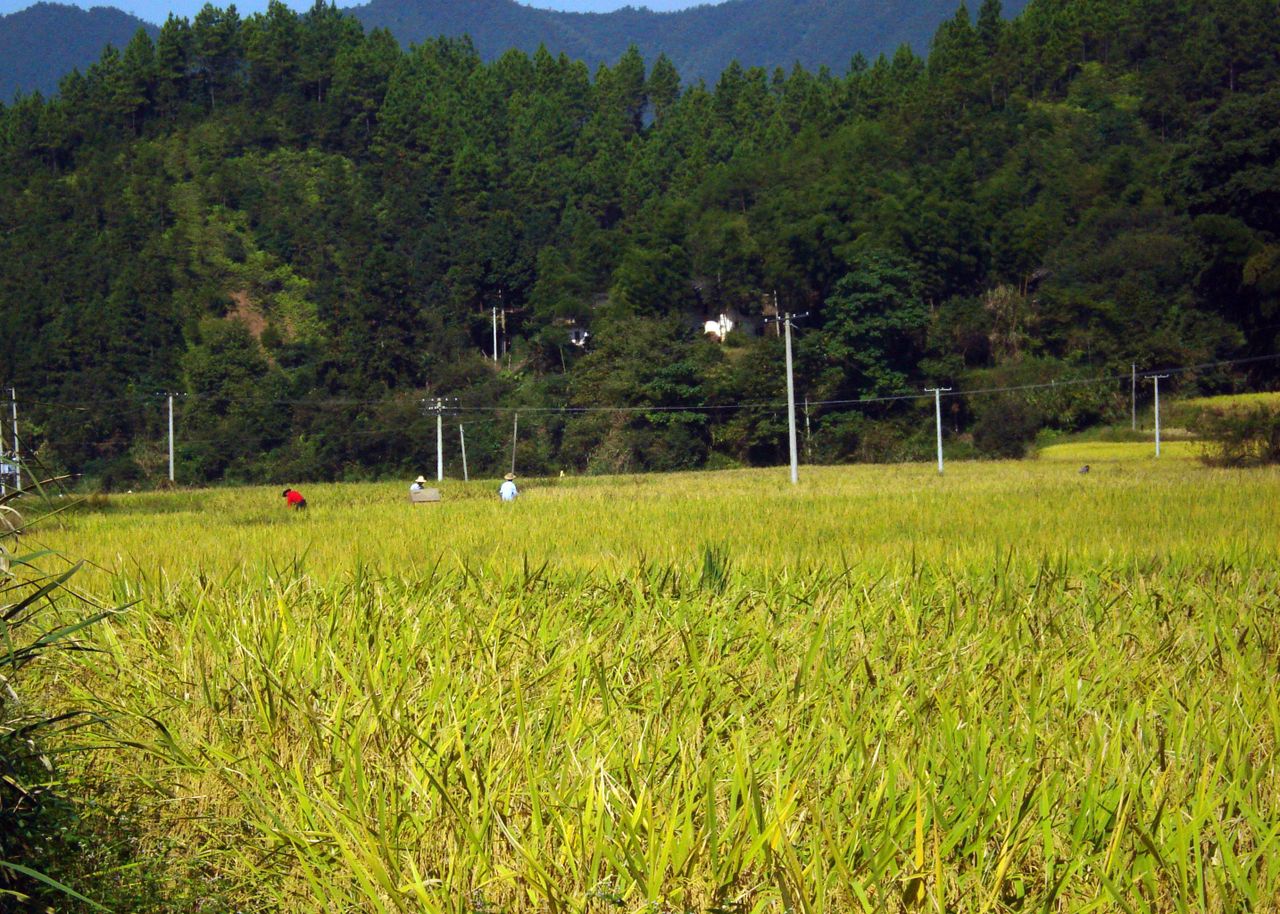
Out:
{"x": 420, "y": 480}
{"x": 509, "y": 476}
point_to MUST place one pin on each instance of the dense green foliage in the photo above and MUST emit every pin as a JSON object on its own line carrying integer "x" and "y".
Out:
{"x": 1246, "y": 436}
{"x": 304, "y": 228}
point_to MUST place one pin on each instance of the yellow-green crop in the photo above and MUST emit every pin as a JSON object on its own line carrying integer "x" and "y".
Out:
{"x": 1093, "y": 452}
{"x": 1233, "y": 401}
{"x": 1013, "y": 687}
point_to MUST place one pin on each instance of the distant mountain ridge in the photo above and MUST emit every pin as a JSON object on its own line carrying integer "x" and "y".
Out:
{"x": 701, "y": 41}
{"x": 42, "y": 43}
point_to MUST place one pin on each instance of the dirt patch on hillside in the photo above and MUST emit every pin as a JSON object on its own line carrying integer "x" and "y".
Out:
{"x": 248, "y": 313}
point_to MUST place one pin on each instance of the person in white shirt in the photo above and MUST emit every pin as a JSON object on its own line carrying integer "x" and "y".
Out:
{"x": 508, "y": 490}
{"x": 418, "y": 485}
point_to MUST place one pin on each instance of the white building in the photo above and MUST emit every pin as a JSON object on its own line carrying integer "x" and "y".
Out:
{"x": 719, "y": 328}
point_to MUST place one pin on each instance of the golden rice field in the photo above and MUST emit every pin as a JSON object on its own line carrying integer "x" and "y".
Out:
{"x": 1011, "y": 688}
{"x": 1232, "y": 401}
{"x": 1096, "y": 452}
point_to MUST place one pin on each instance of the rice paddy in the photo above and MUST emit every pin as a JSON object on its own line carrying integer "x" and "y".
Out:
{"x": 1012, "y": 687}
{"x": 1233, "y": 401}
{"x": 1091, "y": 452}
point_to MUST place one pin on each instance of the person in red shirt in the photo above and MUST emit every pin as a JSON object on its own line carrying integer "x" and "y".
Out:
{"x": 294, "y": 499}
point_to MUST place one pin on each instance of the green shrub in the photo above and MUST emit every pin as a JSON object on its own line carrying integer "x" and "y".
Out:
{"x": 1248, "y": 436}
{"x": 1005, "y": 426}
{"x": 719, "y": 461}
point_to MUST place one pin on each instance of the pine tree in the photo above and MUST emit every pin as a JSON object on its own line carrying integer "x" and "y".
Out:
{"x": 663, "y": 87}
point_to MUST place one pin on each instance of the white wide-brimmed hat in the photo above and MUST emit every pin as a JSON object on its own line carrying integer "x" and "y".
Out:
{"x": 420, "y": 480}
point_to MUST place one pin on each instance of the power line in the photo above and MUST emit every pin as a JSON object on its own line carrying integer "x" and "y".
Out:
{"x": 404, "y": 405}
{"x": 1100, "y": 379}
{"x": 411, "y": 400}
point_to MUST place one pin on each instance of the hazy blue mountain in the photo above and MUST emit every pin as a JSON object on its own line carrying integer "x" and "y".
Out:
{"x": 42, "y": 43}
{"x": 700, "y": 41}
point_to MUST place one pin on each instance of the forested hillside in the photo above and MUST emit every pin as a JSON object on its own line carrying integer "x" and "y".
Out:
{"x": 45, "y": 41}
{"x": 304, "y": 228}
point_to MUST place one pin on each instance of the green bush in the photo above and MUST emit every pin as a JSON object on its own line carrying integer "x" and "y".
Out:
{"x": 1005, "y": 426}
{"x": 718, "y": 461}
{"x": 1241, "y": 436}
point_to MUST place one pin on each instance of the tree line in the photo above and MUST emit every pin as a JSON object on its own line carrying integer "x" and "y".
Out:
{"x": 306, "y": 229}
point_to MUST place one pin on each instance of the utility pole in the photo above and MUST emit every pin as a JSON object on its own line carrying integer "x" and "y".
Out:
{"x": 1155, "y": 378}
{"x": 1133, "y": 396}
{"x": 171, "y": 438}
{"x": 937, "y": 415}
{"x": 785, "y": 320}
{"x": 4, "y": 463}
{"x": 791, "y": 405}
{"x": 515, "y": 433}
{"x": 17, "y": 457}
{"x": 439, "y": 441}
{"x": 502, "y": 316}
{"x": 495, "y": 334}
{"x": 462, "y": 439}
{"x": 437, "y": 406}
{"x": 808, "y": 434}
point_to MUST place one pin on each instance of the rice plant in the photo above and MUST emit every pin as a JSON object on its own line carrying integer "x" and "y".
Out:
{"x": 1011, "y": 688}
{"x": 33, "y": 623}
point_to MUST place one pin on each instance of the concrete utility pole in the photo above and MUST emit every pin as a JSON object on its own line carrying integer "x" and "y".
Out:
{"x": 1133, "y": 396}
{"x": 462, "y": 439}
{"x": 436, "y": 405}
{"x": 495, "y": 334}
{"x": 937, "y": 414}
{"x": 170, "y": 437}
{"x": 791, "y": 407}
{"x": 515, "y": 433}
{"x": 786, "y": 320}
{"x": 439, "y": 441}
{"x": 17, "y": 457}
{"x": 1155, "y": 379}
{"x": 808, "y": 433}
{"x": 4, "y": 463}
